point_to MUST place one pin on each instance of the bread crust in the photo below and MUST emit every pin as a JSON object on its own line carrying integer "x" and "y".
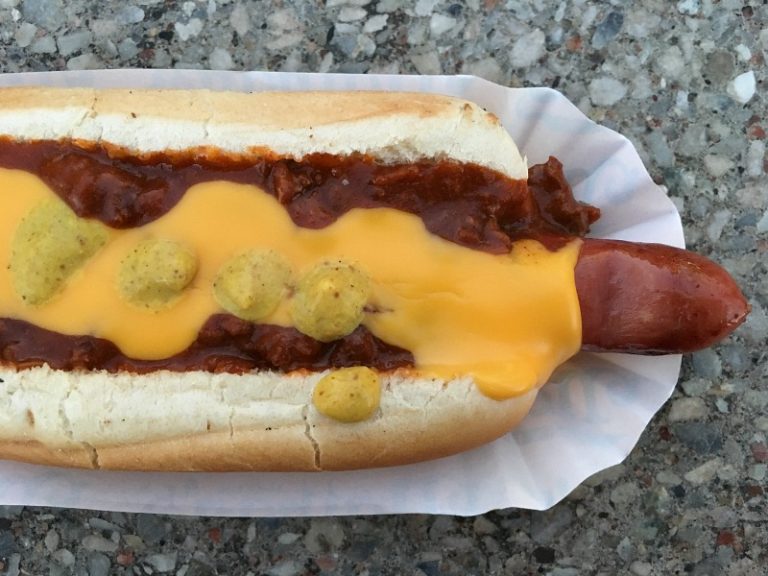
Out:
{"x": 259, "y": 421}
{"x": 226, "y": 422}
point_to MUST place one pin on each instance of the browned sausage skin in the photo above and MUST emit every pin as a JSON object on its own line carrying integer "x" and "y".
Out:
{"x": 652, "y": 298}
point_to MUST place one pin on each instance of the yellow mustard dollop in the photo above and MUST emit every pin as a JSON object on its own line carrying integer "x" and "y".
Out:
{"x": 252, "y": 284}
{"x": 330, "y": 300}
{"x": 348, "y": 394}
{"x": 156, "y": 272}
{"x": 50, "y": 244}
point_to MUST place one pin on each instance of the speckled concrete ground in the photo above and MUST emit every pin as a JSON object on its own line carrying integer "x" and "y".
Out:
{"x": 683, "y": 80}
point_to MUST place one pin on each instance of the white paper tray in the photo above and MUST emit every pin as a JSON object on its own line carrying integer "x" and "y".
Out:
{"x": 587, "y": 418}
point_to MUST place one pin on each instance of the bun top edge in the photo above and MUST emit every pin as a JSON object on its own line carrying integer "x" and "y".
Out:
{"x": 391, "y": 126}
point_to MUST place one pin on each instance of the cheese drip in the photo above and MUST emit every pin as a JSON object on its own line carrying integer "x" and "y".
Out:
{"x": 507, "y": 320}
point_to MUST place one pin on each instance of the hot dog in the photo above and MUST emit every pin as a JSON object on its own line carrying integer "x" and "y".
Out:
{"x": 184, "y": 369}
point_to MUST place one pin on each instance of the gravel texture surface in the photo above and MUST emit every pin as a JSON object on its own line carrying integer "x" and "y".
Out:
{"x": 684, "y": 80}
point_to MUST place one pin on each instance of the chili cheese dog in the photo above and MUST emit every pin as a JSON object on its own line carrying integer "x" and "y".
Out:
{"x": 220, "y": 281}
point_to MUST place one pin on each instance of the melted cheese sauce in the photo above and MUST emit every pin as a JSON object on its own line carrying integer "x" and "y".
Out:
{"x": 507, "y": 320}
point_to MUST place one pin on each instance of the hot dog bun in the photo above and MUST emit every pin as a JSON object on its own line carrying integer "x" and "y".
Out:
{"x": 262, "y": 421}
{"x": 389, "y": 127}
{"x": 265, "y": 421}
